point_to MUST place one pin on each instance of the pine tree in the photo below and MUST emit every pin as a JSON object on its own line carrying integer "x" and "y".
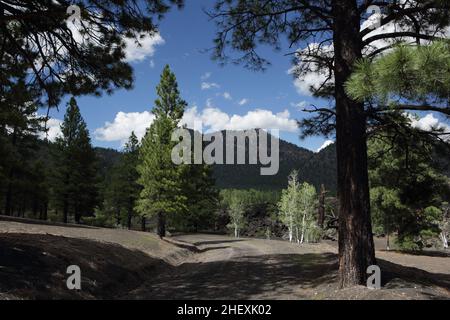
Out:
{"x": 407, "y": 190}
{"x": 75, "y": 184}
{"x": 123, "y": 189}
{"x": 160, "y": 178}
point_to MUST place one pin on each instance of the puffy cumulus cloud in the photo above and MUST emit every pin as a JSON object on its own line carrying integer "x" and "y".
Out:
{"x": 325, "y": 145}
{"x": 123, "y": 125}
{"x": 53, "y": 130}
{"x": 209, "y": 85}
{"x": 146, "y": 47}
{"x": 214, "y": 119}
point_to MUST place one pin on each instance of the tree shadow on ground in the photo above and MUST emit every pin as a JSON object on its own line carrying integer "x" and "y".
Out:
{"x": 34, "y": 267}
{"x": 392, "y": 272}
{"x": 45, "y": 223}
{"x": 250, "y": 277}
{"x": 292, "y": 276}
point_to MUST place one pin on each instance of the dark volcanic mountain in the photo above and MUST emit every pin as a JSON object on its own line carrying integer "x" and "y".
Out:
{"x": 315, "y": 168}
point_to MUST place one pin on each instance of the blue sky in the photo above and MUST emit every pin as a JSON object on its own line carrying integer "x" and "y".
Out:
{"x": 186, "y": 35}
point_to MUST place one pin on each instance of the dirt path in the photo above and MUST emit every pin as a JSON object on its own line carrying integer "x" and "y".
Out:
{"x": 259, "y": 269}
{"x": 133, "y": 265}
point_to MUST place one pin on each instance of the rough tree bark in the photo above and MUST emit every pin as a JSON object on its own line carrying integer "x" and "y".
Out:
{"x": 161, "y": 225}
{"x": 144, "y": 224}
{"x": 356, "y": 248}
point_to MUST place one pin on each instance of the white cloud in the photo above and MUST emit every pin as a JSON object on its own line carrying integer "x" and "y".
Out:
{"x": 243, "y": 102}
{"x": 325, "y": 145}
{"x": 136, "y": 52}
{"x": 212, "y": 119}
{"x": 315, "y": 77}
{"x": 123, "y": 125}
{"x": 54, "y": 130}
{"x": 429, "y": 123}
{"x": 210, "y": 85}
{"x": 227, "y": 96}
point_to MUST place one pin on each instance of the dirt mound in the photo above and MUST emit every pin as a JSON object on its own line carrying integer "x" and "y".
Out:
{"x": 34, "y": 267}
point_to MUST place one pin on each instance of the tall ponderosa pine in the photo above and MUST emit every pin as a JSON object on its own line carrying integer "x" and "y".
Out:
{"x": 75, "y": 184}
{"x": 19, "y": 126}
{"x": 336, "y": 36}
{"x": 160, "y": 178}
{"x": 123, "y": 190}
{"x": 202, "y": 198}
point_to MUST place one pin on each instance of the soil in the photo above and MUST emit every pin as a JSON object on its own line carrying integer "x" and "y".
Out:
{"x": 120, "y": 264}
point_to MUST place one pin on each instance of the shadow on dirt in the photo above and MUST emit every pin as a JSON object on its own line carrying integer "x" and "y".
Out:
{"x": 34, "y": 267}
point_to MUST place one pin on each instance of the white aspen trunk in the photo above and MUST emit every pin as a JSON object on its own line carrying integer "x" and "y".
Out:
{"x": 297, "y": 234}
{"x": 291, "y": 227}
{"x": 444, "y": 240}
{"x": 236, "y": 235}
{"x": 303, "y": 228}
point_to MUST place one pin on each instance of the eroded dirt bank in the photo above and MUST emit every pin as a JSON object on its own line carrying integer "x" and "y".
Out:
{"x": 118, "y": 264}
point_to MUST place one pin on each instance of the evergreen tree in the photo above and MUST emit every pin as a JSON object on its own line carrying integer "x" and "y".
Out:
{"x": 19, "y": 126}
{"x": 202, "y": 199}
{"x": 122, "y": 189}
{"x": 75, "y": 185}
{"x": 407, "y": 191}
{"x": 40, "y": 33}
{"x": 161, "y": 180}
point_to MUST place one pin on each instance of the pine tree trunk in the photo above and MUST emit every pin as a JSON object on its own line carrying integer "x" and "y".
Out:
{"x": 9, "y": 192}
{"x": 65, "y": 211}
{"x": 144, "y": 224}
{"x": 356, "y": 248}
{"x": 8, "y": 201}
{"x": 130, "y": 216}
{"x": 130, "y": 213}
{"x": 161, "y": 225}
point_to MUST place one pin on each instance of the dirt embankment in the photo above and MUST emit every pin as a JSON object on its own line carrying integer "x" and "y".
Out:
{"x": 34, "y": 259}
{"x": 119, "y": 264}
